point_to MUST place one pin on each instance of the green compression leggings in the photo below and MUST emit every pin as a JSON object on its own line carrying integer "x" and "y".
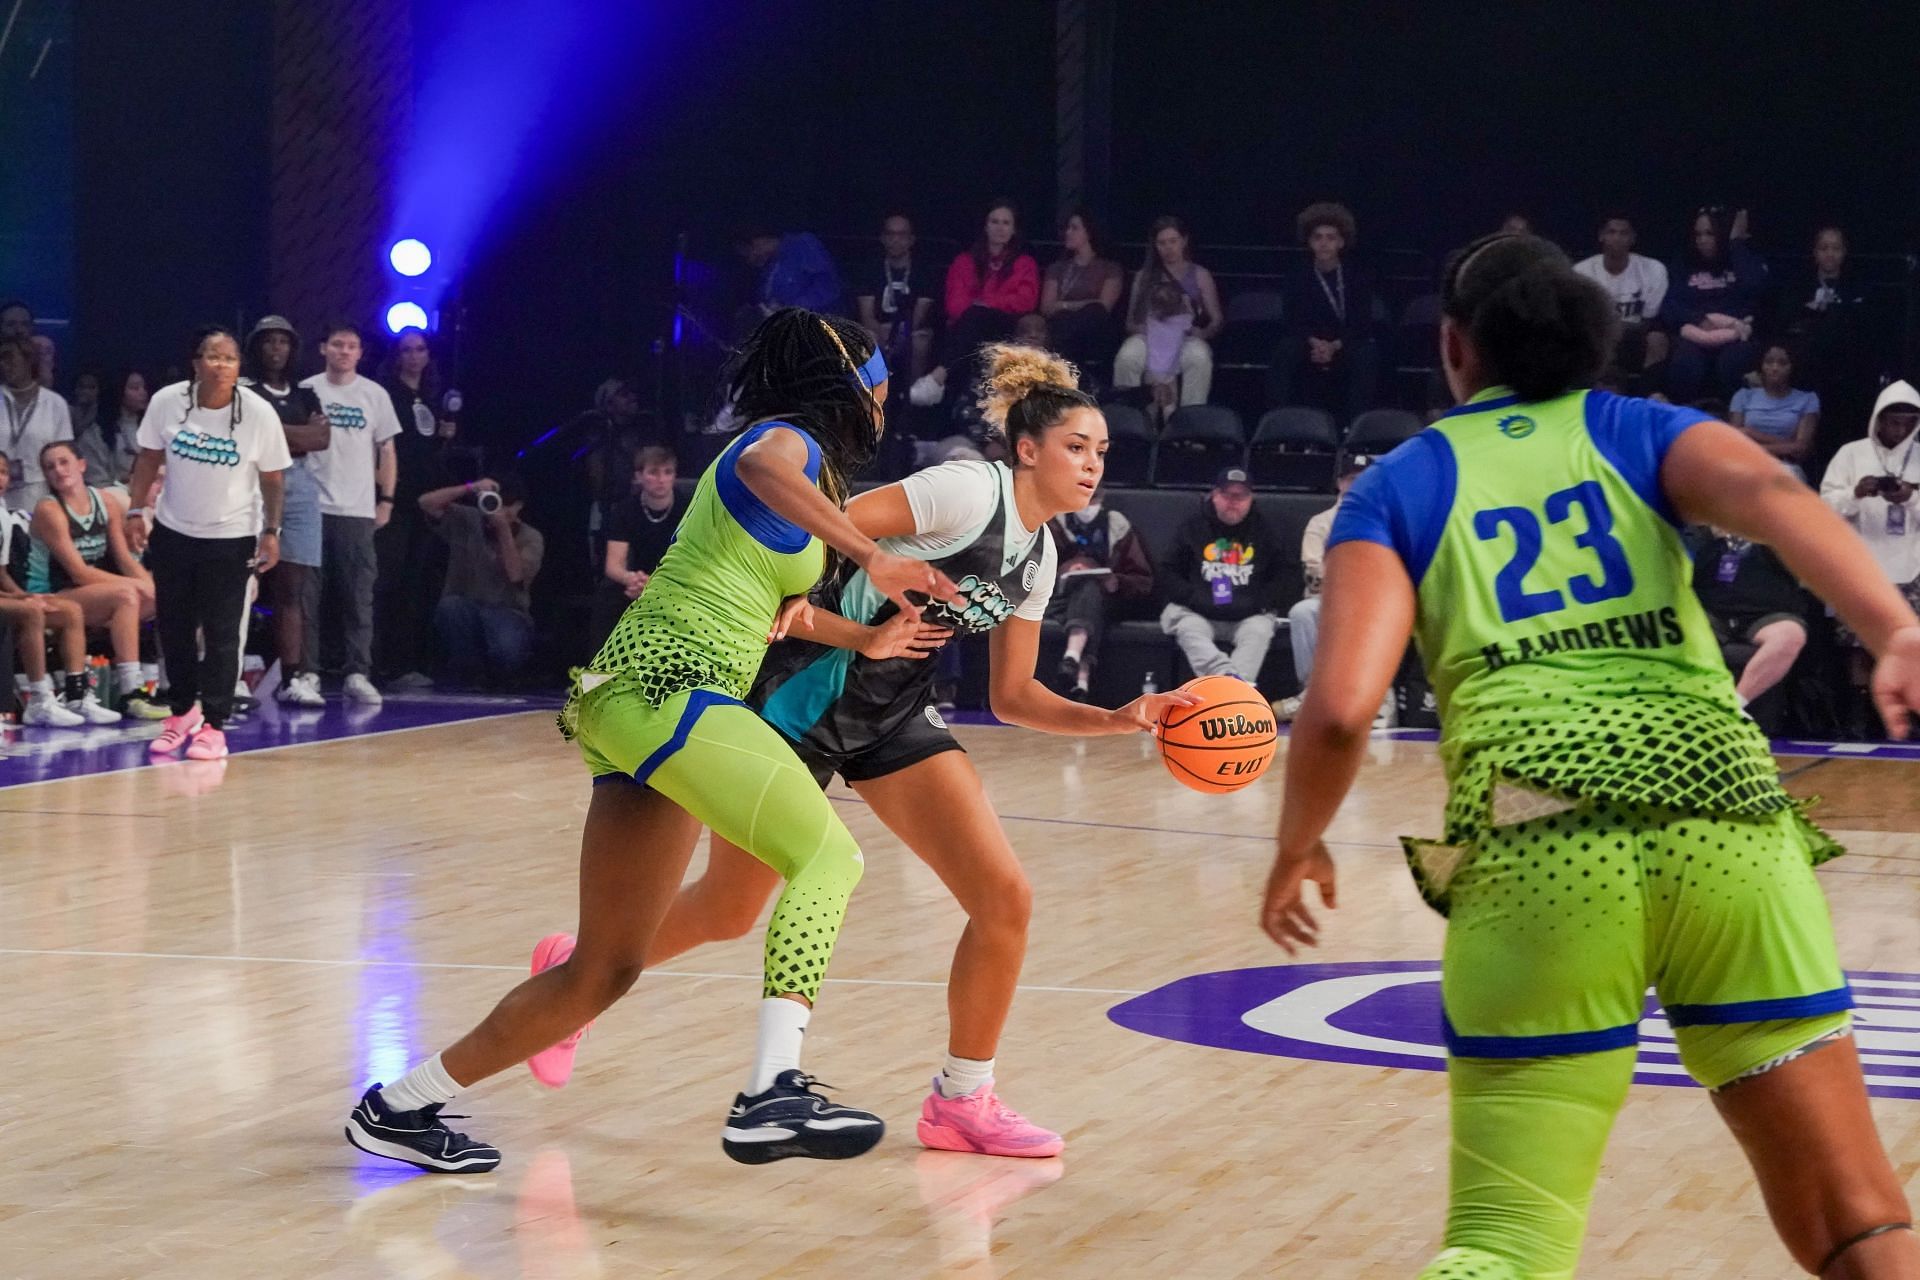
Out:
{"x": 721, "y": 763}
{"x": 1557, "y": 928}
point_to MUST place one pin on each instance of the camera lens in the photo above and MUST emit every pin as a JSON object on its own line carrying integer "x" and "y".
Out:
{"x": 488, "y": 502}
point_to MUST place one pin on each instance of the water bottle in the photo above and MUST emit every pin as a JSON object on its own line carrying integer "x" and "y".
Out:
{"x": 1149, "y": 685}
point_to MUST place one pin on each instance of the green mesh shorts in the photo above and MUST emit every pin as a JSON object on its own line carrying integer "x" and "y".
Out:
{"x": 1558, "y": 925}
{"x": 727, "y": 767}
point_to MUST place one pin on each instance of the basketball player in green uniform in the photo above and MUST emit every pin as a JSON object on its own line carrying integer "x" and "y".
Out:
{"x": 853, "y": 697}
{"x": 1614, "y": 820}
{"x": 659, "y": 718}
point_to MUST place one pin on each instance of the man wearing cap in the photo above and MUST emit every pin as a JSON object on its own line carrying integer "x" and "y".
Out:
{"x": 1303, "y": 620}
{"x": 1220, "y": 575}
{"x": 268, "y": 369}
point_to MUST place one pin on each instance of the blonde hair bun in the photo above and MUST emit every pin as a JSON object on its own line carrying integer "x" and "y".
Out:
{"x": 1013, "y": 372}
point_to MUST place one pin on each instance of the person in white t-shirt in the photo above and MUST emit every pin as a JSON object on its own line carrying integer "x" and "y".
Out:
{"x": 216, "y": 523}
{"x": 1636, "y": 285}
{"x": 356, "y": 474}
{"x": 852, "y": 693}
{"x": 35, "y": 418}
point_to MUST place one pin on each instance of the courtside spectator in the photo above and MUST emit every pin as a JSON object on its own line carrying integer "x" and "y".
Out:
{"x": 1822, "y": 315}
{"x": 49, "y": 359}
{"x": 1872, "y": 483}
{"x": 484, "y": 618}
{"x": 1637, "y": 287}
{"x": 1080, "y": 295}
{"x": 269, "y": 368}
{"x": 1303, "y": 620}
{"x": 80, "y": 553}
{"x": 895, "y": 298}
{"x": 1102, "y": 561}
{"x": 639, "y": 532}
{"x": 356, "y": 474}
{"x": 215, "y": 523}
{"x": 36, "y": 417}
{"x": 30, "y": 619}
{"x": 16, "y": 319}
{"x": 407, "y": 552}
{"x": 1220, "y": 579}
{"x": 1712, "y": 299}
{"x": 1751, "y": 599}
{"x": 790, "y": 270}
{"x": 1171, "y": 318}
{"x": 1329, "y": 354}
{"x": 989, "y": 286}
{"x": 1776, "y": 415}
{"x": 83, "y": 402}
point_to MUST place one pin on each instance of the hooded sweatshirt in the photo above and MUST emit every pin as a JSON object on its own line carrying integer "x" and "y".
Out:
{"x": 1893, "y": 539}
{"x": 1225, "y": 572}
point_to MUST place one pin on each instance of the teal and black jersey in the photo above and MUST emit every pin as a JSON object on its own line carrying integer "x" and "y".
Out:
{"x": 89, "y": 534}
{"x": 838, "y": 703}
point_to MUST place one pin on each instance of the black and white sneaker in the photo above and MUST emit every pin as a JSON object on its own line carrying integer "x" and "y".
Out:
{"x": 419, "y": 1138}
{"x": 795, "y": 1119}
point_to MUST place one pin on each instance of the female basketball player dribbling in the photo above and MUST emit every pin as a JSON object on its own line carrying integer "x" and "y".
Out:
{"x": 659, "y": 719}
{"x": 1614, "y": 820}
{"x": 850, "y": 695}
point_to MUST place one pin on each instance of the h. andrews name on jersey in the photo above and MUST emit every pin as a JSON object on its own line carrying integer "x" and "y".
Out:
{"x": 1649, "y": 629}
{"x": 201, "y": 446}
{"x": 987, "y": 607}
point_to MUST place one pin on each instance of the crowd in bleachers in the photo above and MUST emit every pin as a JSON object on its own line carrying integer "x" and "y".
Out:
{"x": 1241, "y": 400}
{"x": 367, "y": 545}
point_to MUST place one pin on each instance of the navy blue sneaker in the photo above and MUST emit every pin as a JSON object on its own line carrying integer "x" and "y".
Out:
{"x": 418, "y": 1138}
{"x": 795, "y": 1119}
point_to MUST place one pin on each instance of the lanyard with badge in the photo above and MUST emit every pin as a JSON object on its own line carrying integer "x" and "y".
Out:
{"x": 1338, "y": 301}
{"x": 18, "y": 418}
{"x": 1733, "y": 553}
{"x": 1897, "y": 511}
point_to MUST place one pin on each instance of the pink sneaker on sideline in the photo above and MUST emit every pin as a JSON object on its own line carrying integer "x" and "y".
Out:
{"x": 980, "y": 1122}
{"x": 208, "y": 743}
{"x": 553, "y": 1067}
{"x": 175, "y": 730}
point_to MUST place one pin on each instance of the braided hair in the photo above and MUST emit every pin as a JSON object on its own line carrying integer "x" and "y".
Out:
{"x": 1539, "y": 326}
{"x": 200, "y": 338}
{"x": 802, "y": 367}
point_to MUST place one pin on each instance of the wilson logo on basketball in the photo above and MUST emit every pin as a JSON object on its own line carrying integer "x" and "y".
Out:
{"x": 1217, "y": 727}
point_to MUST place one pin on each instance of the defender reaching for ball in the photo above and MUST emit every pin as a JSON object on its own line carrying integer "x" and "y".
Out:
{"x": 1614, "y": 820}
{"x": 851, "y": 694}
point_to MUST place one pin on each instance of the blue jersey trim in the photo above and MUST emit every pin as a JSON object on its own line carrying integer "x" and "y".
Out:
{"x": 770, "y": 529}
{"x": 1553, "y": 1046}
{"x": 1481, "y": 406}
{"x": 1837, "y": 1000}
{"x": 697, "y": 702}
{"x": 1634, "y": 436}
{"x": 1402, "y": 502}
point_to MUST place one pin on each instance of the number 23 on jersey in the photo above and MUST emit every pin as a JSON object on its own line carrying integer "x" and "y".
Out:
{"x": 1610, "y": 579}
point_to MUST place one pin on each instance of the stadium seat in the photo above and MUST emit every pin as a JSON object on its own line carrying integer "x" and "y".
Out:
{"x": 1378, "y": 431}
{"x": 1130, "y": 445}
{"x": 1294, "y": 448}
{"x": 1199, "y": 440}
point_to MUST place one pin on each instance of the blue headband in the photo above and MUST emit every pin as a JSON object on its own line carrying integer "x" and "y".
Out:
{"x": 874, "y": 371}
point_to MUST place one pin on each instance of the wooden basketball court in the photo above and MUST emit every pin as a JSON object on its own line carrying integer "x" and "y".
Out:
{"x": 202, "y": 971}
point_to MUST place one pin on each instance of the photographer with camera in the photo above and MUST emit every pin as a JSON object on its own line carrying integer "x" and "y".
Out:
{"x": 1872, "y": 483}
{"x": 483, "y": 619}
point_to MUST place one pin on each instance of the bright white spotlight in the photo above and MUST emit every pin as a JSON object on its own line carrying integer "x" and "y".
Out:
{"x": 410, "y": 257}
{"x": 406, "y": 315}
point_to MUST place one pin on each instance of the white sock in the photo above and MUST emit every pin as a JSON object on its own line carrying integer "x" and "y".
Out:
{"x": 1744, "y": 700}
{"x": 783, "y": 1025}
{"x": 42, "y": 687}
{"x": 961, "y": 1076}
{"x": 424, "y": 1086}
{"x": 126, "y": 676}
{"x": 150, "y": 673}
{"x": 1076, "y": 645}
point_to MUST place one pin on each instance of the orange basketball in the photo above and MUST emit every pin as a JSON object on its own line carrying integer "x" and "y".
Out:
{"x": 1225, "y": 742}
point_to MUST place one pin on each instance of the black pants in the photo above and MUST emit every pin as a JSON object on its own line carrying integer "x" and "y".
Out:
{"x": 411, "y": 565}
{"x": 1082, "y": 602}
{"x": 1345, "y": 388}
{"x": 200, "y": 589}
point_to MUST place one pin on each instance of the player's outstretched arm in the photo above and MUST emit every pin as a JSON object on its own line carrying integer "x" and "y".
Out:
{"x": 1366, "y": 616}
{"x": 1017, "y": 697}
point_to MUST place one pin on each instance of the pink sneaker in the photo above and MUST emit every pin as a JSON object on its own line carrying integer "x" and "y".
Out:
{"x": 980, "y": 1122}
{"x": 553, "y": 1067}
{"x": 175, "y": 730}
{"x": 208, "y": 743}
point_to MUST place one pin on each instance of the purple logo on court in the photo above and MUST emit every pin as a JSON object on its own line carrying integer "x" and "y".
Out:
{"x": 1388, "y": 1015}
